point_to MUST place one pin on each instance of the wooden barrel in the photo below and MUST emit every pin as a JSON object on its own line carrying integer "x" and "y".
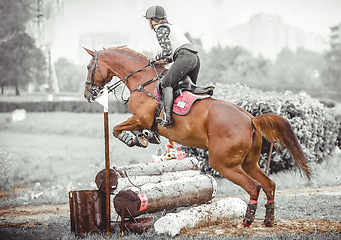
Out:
{"x": 87, "y": 211}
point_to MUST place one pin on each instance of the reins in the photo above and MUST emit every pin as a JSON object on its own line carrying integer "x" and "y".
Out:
{"x": 113, "y": 87}
{"x": 143, "y": 90}
{"x": 96, "y": 88}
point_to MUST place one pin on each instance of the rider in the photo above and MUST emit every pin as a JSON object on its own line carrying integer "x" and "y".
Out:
{"x": 176, "y": 48}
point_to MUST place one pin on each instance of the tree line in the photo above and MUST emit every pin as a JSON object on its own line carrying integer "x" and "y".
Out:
{"x": 292, "y": 70}
{"x": 23, "y": 63}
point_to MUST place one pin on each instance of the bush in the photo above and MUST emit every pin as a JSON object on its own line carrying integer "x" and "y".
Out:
{"x": 63, "y": 106}
{"x": 315, "y": 126}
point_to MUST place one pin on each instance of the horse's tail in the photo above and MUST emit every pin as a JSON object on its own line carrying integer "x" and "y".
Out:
{"x": 277, "y": 129}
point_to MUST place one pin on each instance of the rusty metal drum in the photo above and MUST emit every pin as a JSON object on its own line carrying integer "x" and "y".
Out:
{"x": 87, "y": 211}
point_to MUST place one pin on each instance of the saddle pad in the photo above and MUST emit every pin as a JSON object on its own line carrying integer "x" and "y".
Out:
{"x": 182, "y": 104}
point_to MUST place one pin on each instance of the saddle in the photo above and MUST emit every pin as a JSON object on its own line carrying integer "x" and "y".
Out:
{"x": 185, "y": 94}
{"x": 186, "y": 84}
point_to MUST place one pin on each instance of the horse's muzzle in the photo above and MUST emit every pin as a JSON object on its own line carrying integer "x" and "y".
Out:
{"x": 88, "y": 96}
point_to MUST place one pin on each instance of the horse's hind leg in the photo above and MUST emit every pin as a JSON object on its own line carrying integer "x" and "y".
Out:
{"x": 251, "y": 167}
{"x": 228, "y": 163}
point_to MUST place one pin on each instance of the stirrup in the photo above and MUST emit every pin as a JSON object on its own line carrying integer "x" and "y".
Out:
{"x": 163, "y": 122}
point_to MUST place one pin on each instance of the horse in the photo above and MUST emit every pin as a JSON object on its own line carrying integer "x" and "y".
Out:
{"x": 232, "y": 135}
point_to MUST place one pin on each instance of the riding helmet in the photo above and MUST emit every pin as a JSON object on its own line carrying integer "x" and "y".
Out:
{"x": 156, "y": 12}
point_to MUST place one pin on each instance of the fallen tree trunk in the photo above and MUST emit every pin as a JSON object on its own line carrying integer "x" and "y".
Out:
{"x": 158, "y": 168}
{"x": 140, "y": 174}
{"x": 206, "y": 214}
{"x": 138, "y": 181}
{"x": 151, "y": 197}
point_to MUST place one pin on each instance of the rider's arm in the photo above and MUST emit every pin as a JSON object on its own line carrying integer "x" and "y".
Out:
{"x": 162, "y": 34}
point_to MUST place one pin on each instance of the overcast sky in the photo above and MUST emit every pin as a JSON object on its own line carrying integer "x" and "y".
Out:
{"x": 204, "y": 19}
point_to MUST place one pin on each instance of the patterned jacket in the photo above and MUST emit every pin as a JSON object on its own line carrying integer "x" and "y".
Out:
{"x": 170, "y": 40}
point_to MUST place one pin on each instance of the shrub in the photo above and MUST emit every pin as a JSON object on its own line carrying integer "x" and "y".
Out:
{"x": 315, "y": 126}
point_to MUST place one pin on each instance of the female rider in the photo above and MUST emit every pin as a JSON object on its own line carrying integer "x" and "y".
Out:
{"x": 176, "y": 48}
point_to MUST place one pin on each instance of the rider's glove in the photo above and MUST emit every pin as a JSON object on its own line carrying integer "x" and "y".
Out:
{"x": 151, "y": 61}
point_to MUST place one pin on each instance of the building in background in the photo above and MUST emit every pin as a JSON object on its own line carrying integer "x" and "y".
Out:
{"x": 335, "y": 36}
{"x": 267, "y": 35}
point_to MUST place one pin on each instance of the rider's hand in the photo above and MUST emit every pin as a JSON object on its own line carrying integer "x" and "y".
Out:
{"x": 151, "y": 61}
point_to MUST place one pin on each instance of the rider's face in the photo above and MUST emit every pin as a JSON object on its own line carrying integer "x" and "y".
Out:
{"x": 150, "y": 23}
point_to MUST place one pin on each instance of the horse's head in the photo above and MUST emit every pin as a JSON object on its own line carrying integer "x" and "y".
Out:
{"x": 121, "y": 62}
{"x": 98, "y": 75}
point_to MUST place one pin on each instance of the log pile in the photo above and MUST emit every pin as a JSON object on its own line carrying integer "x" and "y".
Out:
{"x": 154, "y": 187}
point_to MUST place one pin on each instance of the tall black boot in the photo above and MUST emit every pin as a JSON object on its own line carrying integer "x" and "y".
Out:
{"x": 166, "y": 118}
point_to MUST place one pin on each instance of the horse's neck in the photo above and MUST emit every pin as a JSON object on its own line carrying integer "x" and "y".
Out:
{"x": 125, "y": 62}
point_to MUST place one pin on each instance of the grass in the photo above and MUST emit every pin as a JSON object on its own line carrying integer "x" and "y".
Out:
{"x": 53, "y": 153}
{"x": 56, "y": 152}
{"x": 61, "y": 150}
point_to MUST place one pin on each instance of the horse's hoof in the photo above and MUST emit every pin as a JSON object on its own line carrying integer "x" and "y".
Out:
{"x": 250, "y": 214}
{"x": 268, "y": 222}
{"x": 247, "y": 223}
{"x": 269, "y": 214}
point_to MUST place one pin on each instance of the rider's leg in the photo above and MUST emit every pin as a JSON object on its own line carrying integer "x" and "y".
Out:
{"x": 193, "y": 74}
{"x": 185, "y": 63}
{"x": 166, "y": 119}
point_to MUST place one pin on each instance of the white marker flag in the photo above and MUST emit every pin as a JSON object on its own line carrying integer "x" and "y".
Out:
{"x": 104, "y": 99}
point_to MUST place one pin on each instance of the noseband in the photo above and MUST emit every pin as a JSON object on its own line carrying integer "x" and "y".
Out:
{"x": 95, "y": 88}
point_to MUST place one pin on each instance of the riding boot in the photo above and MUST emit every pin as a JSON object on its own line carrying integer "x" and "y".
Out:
{"x": 166, "y": 118}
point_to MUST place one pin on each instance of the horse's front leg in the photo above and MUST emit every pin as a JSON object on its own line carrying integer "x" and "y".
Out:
{"x": 131, "y": 124}
{"x": 130, "y": 132}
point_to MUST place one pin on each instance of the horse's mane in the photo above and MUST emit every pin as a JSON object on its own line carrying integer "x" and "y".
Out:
{"x": 124, "y": 47}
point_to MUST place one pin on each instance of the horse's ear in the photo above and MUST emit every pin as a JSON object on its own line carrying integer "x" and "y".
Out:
{"x": 92, "y": 53}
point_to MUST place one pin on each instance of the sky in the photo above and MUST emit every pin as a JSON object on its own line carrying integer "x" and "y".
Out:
{"x": 202, "y": 19}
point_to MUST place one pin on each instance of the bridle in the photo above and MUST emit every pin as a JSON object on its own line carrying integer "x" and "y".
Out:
{"x": 96, "y": 89}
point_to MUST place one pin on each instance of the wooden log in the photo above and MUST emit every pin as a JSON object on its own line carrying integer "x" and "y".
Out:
{"x": 140, "y": 174}
{"x": 138, "y": 181}
{"x": 138, "y": 225}
{"x": 152, "y": 197}
{"x": 206, "y": 214}
{"x": 158, "y": 168}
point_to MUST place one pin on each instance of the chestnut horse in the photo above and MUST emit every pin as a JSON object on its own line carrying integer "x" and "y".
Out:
{"x": 231, "y": 134}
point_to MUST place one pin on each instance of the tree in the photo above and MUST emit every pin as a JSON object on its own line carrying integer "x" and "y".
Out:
{"x": 20, "y": 60}
{"x": 332, "y": 74}
{"x": 70, "y": 76}
{"x": 232, "y": 65}
{"x": 298, "y": 70}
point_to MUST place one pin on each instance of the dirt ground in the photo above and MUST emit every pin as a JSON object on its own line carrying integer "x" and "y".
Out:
{"x": 299, "y": 211}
